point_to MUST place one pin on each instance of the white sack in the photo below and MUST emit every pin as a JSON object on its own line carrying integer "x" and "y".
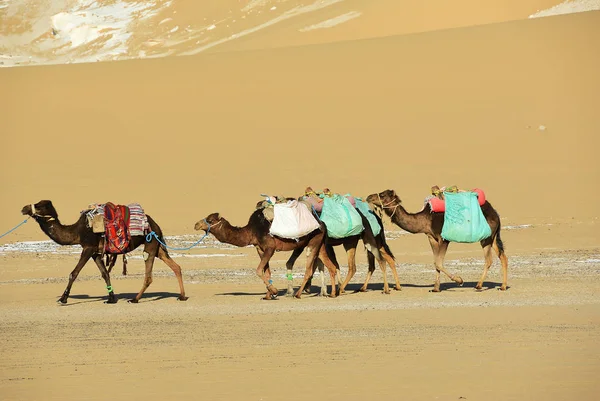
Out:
{"x": 292, "y": 220}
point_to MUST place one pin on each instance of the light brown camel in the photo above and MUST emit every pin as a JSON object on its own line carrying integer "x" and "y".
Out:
{"x": 256, "y": 233}
{"x": 93, "y": 247}
{"x": 431, "y": 225}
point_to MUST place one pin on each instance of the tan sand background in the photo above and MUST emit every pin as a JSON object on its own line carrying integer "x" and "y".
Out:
{"x": 392, "y": 99}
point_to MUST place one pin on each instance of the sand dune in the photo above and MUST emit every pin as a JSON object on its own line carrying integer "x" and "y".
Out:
{"x": 72, "y": 31}
{"x": 188, "y": 136}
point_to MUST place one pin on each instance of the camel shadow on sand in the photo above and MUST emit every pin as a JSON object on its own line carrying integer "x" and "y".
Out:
{"x": 451, "y": 286}
{"x": 352, "y": 289}
{"x": 122, "y": 297}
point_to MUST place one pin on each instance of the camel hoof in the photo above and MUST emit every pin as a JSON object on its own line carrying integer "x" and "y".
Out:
{"x": 307, "y": 290}
{"x": 132, "y": 301}
{"x": 182, "y": 298}
{"x": 289, "y": 294}
{"x": 398, "y": 288}
{"x": 298, "y": 296}
{"x": 388, "y": 292}
{"x": 503, "y": 288}
{"x": 436, "y": 288}
{"x": 478, "y": 288}
{"x": 459, "y": 280}
{"x": 272, "y": 290}
{"x": 62, "y": 301}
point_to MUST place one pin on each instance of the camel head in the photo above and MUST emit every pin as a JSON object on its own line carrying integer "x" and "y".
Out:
{"x": 384, "y": 199}
{"x": 43, "y": 208}
{"x": 209, "y": 221}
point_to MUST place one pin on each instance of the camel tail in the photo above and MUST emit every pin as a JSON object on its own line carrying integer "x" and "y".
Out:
{"x": 499, "y": 243}
{"x": 388, "y": 250}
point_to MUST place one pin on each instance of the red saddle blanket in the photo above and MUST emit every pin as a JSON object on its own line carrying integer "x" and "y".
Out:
{"x": 439, "y": 205}
{"x": 116, "y": 225}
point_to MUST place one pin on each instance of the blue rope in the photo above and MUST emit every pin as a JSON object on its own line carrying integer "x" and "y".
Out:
{"x": 13, "y": 229}
{"x": 153, "y": 234}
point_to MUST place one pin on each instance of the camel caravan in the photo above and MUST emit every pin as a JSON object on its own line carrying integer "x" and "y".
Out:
{"x": 315, "y": 222}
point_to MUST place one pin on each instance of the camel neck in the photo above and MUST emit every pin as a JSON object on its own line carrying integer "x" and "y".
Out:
{"x": 412, "y": 222}
{"x": 238, "y": 236}
{"x": 59, "y": 233}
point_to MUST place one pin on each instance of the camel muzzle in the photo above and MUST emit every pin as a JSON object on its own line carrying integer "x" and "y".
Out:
{"x": 28, "y": 210}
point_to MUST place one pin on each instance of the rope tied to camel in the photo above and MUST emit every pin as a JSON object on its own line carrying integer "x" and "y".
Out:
{"x": 15, "y": 227}
{"x": 153, "y": 234}
{"x": 387, "y": 206}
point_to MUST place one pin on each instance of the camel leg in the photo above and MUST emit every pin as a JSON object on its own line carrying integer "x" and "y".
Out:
{"x": 439, "y": 252}
{"x": 267, "y": 268}
{"x": 392, "y": 264}
{"x": 150, "y": 252}
{"x": 338, "y": 274}
{"x": 112, "y": 299}
{"x": 289, "y": 266}
{"x": 386, "y": 287}
{"x": 86, "y": 254}
{"x": 351, "y": 251}
{"x": 263, "y": 273}
{"x": 321, "y": 267}
{"x": 311, "y": 264}
{"x": 165, "y": 257}
{"x": 487, "y": 254}
{"x": 332, "y": 269}
{"x": 504, "y": 261}
{"x": 435, "y": 249}
{"x": 110, "y": 262}
{"x": 371, "y": 263}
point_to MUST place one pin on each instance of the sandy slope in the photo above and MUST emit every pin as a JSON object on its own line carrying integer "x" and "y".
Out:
{"x": 188, "y": 136}
{"x": 61, "y": 31}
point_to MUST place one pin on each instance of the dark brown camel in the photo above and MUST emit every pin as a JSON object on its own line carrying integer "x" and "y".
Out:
{"x": 431, "y": 225}
{"x": 256, "y": 233}
{"x": 93, "y": 247}
{"x": 376, "y": 247}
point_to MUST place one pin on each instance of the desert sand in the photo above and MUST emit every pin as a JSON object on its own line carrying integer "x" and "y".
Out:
{"x": 356, "y": 96}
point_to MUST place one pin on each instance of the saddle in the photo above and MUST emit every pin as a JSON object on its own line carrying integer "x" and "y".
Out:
{"x": 437, "y": 201}
{"x": 116, "y": 225}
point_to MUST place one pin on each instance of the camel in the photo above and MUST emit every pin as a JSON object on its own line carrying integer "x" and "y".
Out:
{"x": 93, "y": 247}
{"x": 376, "y": 247}
{"x": 431, "y": 225}
{"x": 256, "y": 233}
